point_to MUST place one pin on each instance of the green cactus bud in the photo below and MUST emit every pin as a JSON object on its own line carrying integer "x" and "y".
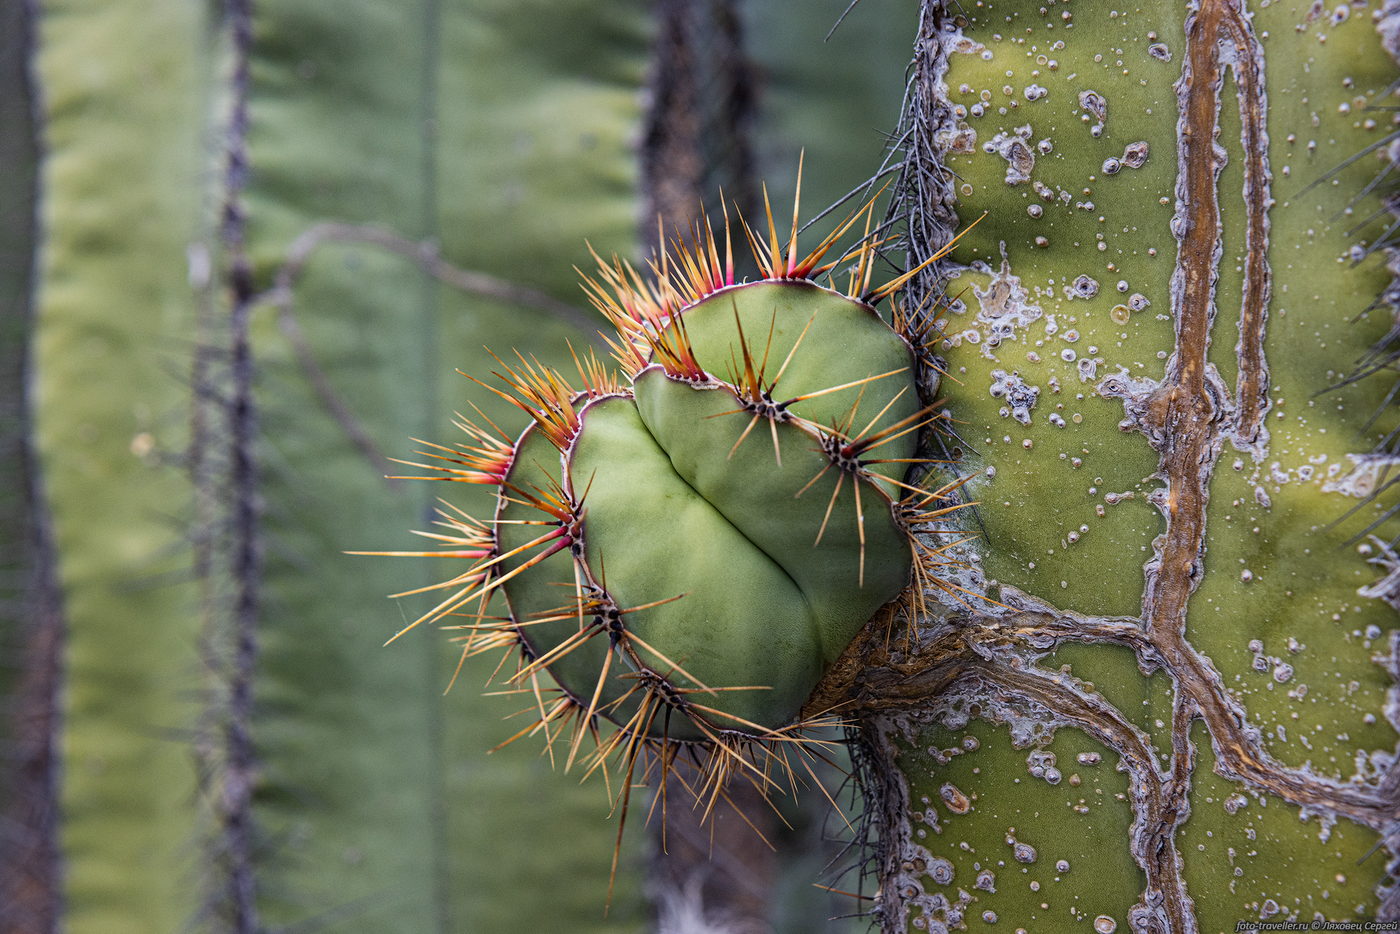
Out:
{"x": 688, "y": 550}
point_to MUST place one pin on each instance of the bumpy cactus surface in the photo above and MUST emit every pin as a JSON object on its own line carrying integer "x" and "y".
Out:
{"x": 1182, "y": 717}
{"x": 689, "y": 549}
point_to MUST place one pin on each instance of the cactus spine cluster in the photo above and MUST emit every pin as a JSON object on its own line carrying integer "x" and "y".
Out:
{"x": 686, "y": 549}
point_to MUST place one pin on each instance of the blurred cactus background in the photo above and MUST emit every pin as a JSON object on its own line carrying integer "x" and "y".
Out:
{"x": 245, "y": 246}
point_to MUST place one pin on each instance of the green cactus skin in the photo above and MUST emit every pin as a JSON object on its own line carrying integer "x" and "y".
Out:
{"x": 375, "y": 114}
{"x": 689, "y": 553}
{"x": 367, "y": 813}
{"x": 113, "y": 312}
{"x": 1179, "y": 720}
{"x": 762, "y": 605}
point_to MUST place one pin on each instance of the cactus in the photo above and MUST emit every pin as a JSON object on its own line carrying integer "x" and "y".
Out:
{"x": 244, "y": 744}
{"x": 1176, "y": 720}
{"x": 1124, "y": 734}
{"x": 346, "y": 811}
{"x": 378, "y": 775}
{"x": 668, "y": 566}
{"x": 112, "y": 311}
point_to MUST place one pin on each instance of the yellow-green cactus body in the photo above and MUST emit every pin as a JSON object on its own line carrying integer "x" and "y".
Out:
{"x": 714, "y": 538}
{"x": 686, "y": 550}
{"x": 1178, "y": 720}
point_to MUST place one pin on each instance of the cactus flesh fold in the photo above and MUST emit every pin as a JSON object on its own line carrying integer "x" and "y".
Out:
{"x": 688, "y": 548}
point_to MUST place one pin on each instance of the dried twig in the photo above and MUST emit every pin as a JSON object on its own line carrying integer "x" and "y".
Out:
{"x": 423, "y": 253}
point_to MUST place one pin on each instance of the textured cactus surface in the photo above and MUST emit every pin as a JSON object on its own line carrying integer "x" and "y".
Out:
{"x": 113, "y": 327}
{"x": 688, "y": 553}
{"x": 371, "y": 809}
{"x": 1183, "y": 716}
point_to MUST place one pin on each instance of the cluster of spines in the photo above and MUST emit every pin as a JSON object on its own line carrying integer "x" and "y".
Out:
{"x": 642, "y": 308}
{"x": 647, "y": 316}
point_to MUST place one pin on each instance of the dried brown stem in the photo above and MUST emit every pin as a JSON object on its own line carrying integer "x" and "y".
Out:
{"x": 424, "y": 253}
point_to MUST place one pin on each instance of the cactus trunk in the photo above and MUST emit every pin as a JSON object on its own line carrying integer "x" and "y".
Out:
{"x": 1181, "y": 717}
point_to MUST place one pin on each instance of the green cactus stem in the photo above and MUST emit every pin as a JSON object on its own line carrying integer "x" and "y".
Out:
{"x": 1182, "y": 718}
{"x": 688, "y": 550}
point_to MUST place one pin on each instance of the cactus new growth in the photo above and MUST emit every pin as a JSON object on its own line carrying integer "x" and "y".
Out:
{"x": 688, "y": 548}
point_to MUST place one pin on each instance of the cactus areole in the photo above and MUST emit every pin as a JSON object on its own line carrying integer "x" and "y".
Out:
{"x": 687, "y": 548}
